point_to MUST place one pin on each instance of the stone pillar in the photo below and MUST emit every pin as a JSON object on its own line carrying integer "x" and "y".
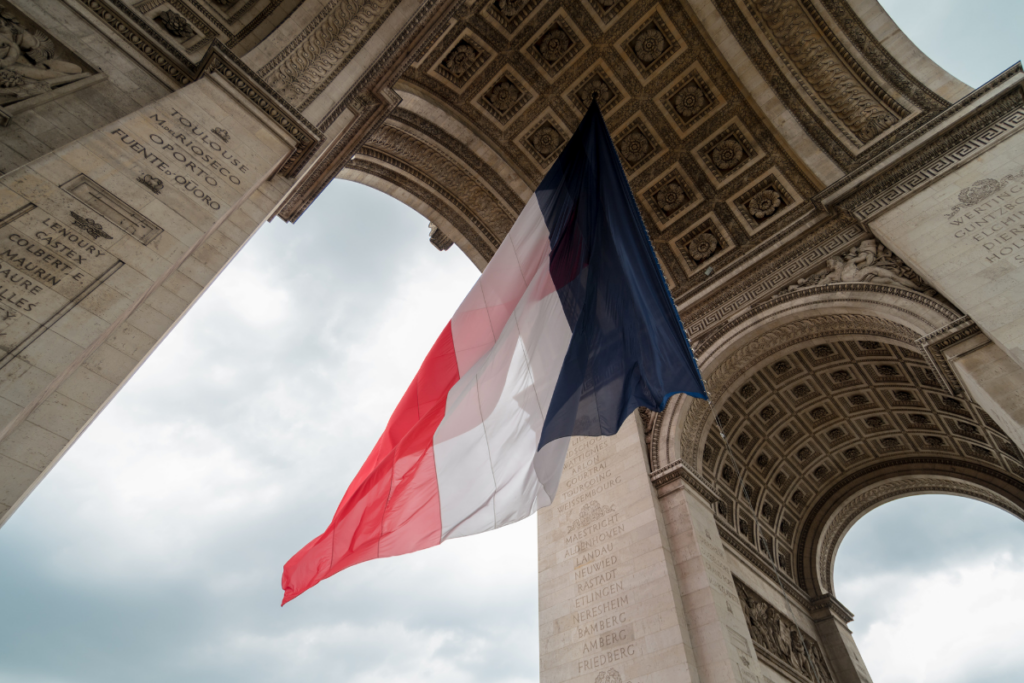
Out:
{"x": 718, "y": 628}
{"x": 993, "y": 380}
{"x": 964, "y": 234}
{"x": 105, "y": 243}
{"x": 830, "y": 620}
{"x": 610, "y": 609}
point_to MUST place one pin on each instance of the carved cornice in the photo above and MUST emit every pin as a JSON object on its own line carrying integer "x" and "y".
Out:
{"x": 990, "y": 125}
{"x": 154, "y": 47}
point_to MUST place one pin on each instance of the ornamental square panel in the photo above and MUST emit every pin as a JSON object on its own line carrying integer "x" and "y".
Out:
{"x": 637, "y": 144}
{"x": 918, "y": 422}
{"x": 545, "y": 139}
{"x": 505, "y": 96}
{"x": 466, "y": 56}
{"x": 841, "y": 378}
{"x": 902, "y": 398}
{"x": 865, "y": 348}
{"x": 765, "y": 201}
{"x": 887, "y": 373}
{"x": 508, "y": 15}
{"x": 804, "y": 392}
{"x": 690, "y": 100}
{"x": 556, "y": 45}
{"x": 605, "y": 11}
{"x": 598, "y": 78}
{"x": 727, "y": 152}
{"x": 651, "y": 44}
{"x": 670, "y": 196}
{"x": 976, "y": 451}
{"x": 702, "y": 245}
{"x": 875, "y": 424}
{"x": 933, "y": 442}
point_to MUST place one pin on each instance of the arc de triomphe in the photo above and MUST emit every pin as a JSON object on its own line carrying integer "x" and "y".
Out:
{"x": 841, "y": 223}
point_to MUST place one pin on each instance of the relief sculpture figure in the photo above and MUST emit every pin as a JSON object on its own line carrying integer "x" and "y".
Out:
{"x": 27, "y": 63}
{"x": 867, "y": 262}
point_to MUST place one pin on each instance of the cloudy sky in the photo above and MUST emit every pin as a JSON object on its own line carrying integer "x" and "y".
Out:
{"x": 153, "y": 551}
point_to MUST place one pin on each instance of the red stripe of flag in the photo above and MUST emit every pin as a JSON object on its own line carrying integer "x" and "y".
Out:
{"x": 392, "y": 507}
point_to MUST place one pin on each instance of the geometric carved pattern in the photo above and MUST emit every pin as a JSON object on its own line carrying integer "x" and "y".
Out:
{"x": 935, "y": 168}
{"x": 823, "y": 411}
{"x": 555, "y": 45}
{"x": 505, "y": 97}
{"x": 727, "y": 153}
{"x": 671, "y": 196}
{"x": 462, "y": 61}
{"x": 782, "y": 641}
{"x": 650, "y": 45}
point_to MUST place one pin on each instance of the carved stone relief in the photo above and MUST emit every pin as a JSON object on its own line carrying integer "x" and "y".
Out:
{"x": 857, "y": 102}
{"x": 870, "y": 261}
{"x": 308, "y": 64}
{"x": 781, "y": 640}
{"x": 31, "y": 62}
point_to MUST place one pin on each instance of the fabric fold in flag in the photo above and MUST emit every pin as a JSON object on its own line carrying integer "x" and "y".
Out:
{"x": 569, "y": 329}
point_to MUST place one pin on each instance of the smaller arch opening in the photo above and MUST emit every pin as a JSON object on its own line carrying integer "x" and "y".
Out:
{"x": 935, "y": 584}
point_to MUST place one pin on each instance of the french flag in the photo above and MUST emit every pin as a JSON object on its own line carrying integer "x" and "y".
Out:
{"x": 569, "y": 329}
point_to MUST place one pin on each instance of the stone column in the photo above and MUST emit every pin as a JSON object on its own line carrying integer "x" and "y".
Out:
{"x": 718, "y": 628}
{"x": 104, "y": 244}
{"x": 830, "y": 620}
{"x": 610, "y": 609}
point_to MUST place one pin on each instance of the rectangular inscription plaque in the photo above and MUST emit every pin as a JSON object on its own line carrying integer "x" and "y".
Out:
{"x": 46, "y": 268}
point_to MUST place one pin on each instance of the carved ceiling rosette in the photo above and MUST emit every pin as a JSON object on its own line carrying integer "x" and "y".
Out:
{"x": 544, "y": 140}
{"x": 505, "y": 96}
{"x": 670, "y": 196}
{"x": 765, "y": 201}
{"x": 462, "y": 61}
{"x": 702, "y": 245}
{"x": 596, "y": 82}
{"x": 509, "y": 14}
{"x": 555, "y": 45}
{"x": 841, "y": 89}
{"x": 637, "y": 145}
{"x": 727, "y": 153}
{"x": 651, "y": 44}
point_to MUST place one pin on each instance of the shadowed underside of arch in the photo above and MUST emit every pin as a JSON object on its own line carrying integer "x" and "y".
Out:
{"x": 830, "y": 405}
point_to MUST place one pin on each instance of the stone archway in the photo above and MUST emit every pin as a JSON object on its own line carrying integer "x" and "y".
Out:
{"x": 825, "y": 395}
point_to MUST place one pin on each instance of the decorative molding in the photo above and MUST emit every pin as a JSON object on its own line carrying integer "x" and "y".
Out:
{"x": 938, "y": 166}
{"x": 833, "y": 80}
{"x": 780, "y": 641}
{"x": 302, "y": 70}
